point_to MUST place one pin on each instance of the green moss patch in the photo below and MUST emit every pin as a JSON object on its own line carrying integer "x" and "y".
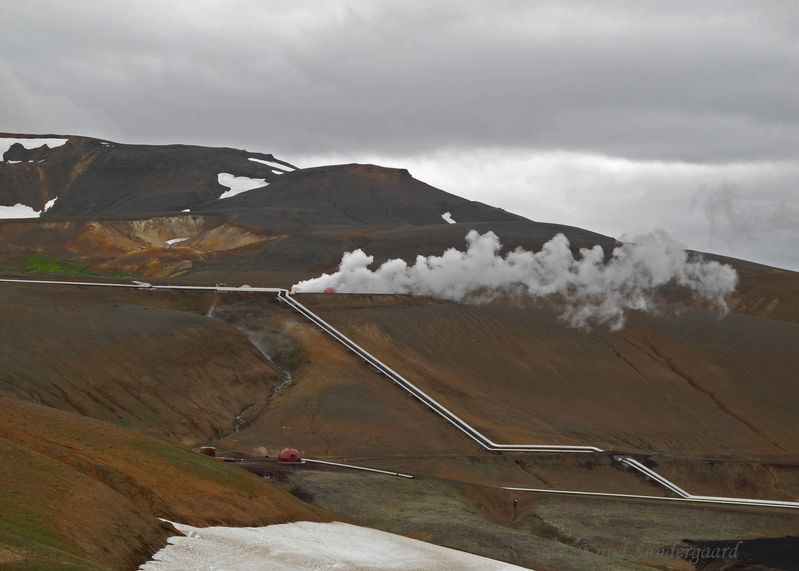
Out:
{"x": 41, "y": 264}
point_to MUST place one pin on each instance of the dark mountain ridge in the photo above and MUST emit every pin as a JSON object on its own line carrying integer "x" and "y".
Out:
{"x": 93, "y": 178}
{"x": 355, "y": 195}
{"x": 97, "y": 178}
{"x": 305, "y": 217}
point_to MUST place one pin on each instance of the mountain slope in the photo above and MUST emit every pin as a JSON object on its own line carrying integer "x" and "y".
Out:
{"x": 80, "y": 493}
{"x": 682, "y": 383}
{"x": 707, "y": 399}
{"x": 94, "y": 178}
{"x": 138, "y": 359}
{"x": 357, "y": 196}
{"x": 117, "y": 206}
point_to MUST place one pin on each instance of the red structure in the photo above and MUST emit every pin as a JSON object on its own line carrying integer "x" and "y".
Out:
{"x": 289, "y": 455}
{"x": 330, "y": 290}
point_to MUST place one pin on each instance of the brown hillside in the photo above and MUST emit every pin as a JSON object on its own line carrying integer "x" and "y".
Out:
{"x": 689, "y": 384}
{"x": 130, "y": 357}
{"x": 90, "y": 376}
{"x": 83, "y": 493}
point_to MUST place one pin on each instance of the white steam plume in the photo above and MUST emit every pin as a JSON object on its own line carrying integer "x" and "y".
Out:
{"x": 594, "y": 291}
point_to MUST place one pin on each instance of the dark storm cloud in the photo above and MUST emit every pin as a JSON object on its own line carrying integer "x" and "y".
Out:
{"x": 712, "y": 81}
{"x": 617, "y": 116}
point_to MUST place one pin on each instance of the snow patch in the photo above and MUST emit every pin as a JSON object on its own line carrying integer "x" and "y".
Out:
{"x": 7, "y": 142}
{"x": 175, "y": 241}
{"x": 18, "y": 211}
{"x": 307, "y": 545}
{"x": 238, "y": 184}
{"x": 448, "y": 218}
{"x": 280, "y": 169}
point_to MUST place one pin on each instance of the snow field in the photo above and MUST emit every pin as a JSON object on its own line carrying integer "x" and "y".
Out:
{"x": 281, "y": 168}
{"x": 22, "y": 211}
{"x": 18, "y": 211}
{"x": 307, "y": 545}
{"x": 238, "y": 184}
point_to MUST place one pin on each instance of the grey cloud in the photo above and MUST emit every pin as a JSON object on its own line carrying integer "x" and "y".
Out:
{"x": 729, "y": 220}
{"x": 764, "y": 223}
{"x": 691, "y": 81}
{"x": 617, "y": 196}
{"x": 483, "y": 89}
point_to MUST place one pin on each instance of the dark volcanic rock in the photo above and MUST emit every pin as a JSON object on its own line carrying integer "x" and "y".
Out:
{"x": 355, "y": 195}
{"x": 95, "y": 179}
{"x": 100, "y": 179}
{"x": 311, "y": 216}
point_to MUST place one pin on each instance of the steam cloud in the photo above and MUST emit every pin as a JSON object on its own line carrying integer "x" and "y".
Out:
{"x": 594, "y": 291}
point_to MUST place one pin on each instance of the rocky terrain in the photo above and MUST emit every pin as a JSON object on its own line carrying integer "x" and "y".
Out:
{"x": 106, "y": 391}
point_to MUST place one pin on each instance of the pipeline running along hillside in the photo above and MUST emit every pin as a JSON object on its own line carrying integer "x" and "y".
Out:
{"x": 285, "y": 297}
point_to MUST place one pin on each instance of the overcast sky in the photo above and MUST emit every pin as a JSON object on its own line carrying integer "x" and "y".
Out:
{"x": 619, "y": 117}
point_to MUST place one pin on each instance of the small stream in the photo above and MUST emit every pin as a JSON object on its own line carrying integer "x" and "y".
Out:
{"x": 240, "y": 420}
{"x": 258, "y": 344}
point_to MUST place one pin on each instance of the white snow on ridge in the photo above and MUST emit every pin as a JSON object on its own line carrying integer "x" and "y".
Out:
{"x": 282, "y": 168}
{"x": 18, "y": 211}
{"x": 5, "y": 143}
{"x": 175, "y": 241}
{"x": 307, "y": 545}
{"x": 448, "y": 218}
{"x": 238, "y": 184}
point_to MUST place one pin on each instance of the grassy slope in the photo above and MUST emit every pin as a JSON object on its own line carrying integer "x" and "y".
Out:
{"x": 145, "y": 360}
{"x": 83, "y": 493}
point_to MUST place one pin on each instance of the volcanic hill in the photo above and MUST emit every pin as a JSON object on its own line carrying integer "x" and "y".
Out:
{"x": 103, "y": 391}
